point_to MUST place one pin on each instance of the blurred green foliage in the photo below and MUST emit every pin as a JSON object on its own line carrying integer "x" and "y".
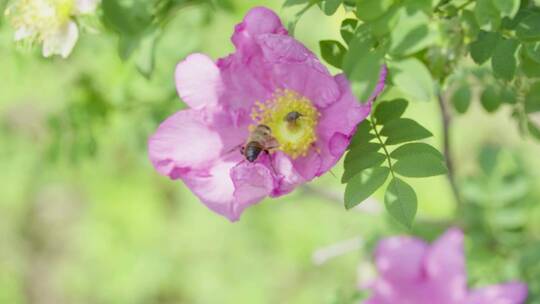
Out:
{"x": 85, "y": 218}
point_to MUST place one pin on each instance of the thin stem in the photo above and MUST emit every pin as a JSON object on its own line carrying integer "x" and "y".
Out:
{"x": 383, "y": 146}
{"x": 464, "y": 5}
{"x": 446, "y": 122}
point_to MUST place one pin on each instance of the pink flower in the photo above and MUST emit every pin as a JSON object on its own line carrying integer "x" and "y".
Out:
{"x": 413, "y": 272}
{"x": 270, "y": 76}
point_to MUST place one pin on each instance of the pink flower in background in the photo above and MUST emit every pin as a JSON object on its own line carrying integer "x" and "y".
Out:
{"x": 413, "y": 272}
{"x": 271, "y": 80}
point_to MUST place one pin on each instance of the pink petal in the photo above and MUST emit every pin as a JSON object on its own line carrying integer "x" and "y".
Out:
{"x": 400, "y": 259}
{"x": 245, "y": 83}
{"x": 214, "y": 187}
{"x": 259, "y": 20}
{"x": 252, "y": 183}
{"x": 338, "y": 124}
{"x": 445, "y": 265}
{"x": 198, "y": 81}
{"x": 511, "y": 293}
{"x": 288, "y": 177}
{"x": 295, "y": 67}
{"x": 192, "y": 140}
{"x": 380, "y": 84}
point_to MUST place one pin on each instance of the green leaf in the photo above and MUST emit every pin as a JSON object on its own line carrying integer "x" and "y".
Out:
{"x": 469, "y": 23}
{"x": 412, "y": 149}
{"x": 291, "y": 26}
{"x": 354, "y": 166}
{"x": 403, "y": 130}
{"x": 534, "y": 130}
{"x": 364, "y": 184}
{"x": 385, "y": 23}
{"x": 411, "y": 34}
{"x": 487, "y": 15}
{"x": 490, "y": 99}
{"x": 362, "y": 67}
{"x": 504, "y": 61}
{"x": 369, "y": 10}
{"x": 401, "y": 202}
{"x": 332, "y": 52}
{"x": 529, "y": 67}
{"x": 295, "y": 2}
{"x": 347, "y": 29}
{"x": 145, "y": 55}
{"x": 532, "y": 100}
{"x": 389, "y": 110}
{"x": 508, "y": 95}
{"x": 533, "y": 51}
{"x": 420, "y": 165}
{"x": 329, "y": 7}
{"x": 529, "y": 28}
{"x": 363, "y": 134}
{"x": 361, "y": 150}
{"x": 508, "y": 8}
{"x": 482, "y": 49}
{"x": 487, "y": 159}
{"x": 413, "y": 78}
{"x": 126, "y": 18}
{"x": 461, "y": 98}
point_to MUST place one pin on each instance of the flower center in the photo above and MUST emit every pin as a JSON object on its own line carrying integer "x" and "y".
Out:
{"x": 292, "y": 119}
{"x": 39, "y": 18}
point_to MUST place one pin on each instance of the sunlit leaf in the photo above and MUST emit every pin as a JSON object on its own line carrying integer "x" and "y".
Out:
{"x": 354, "y": 166}
{"x": 347, "y": 29}
{"x": 413, "y": 78}
{"x": 487, "y": 15}
{"x": 403, "y": 130}
{"x": 420, "y": 165}
{"x": 364, "y": 184}
{"x": 369, "y": 10}
{"x": 411, "y": 34}
{"x": 329, "y": 7}
{"x": 389, "y": 110}
{"x": 332, "y": 52}
{"x": 360, "y": 150}
{"x": 362, "y": 65}
{"x": 400, "y": 201}
{"x": 508, "y": 8}
{"x": 412, "y": 149}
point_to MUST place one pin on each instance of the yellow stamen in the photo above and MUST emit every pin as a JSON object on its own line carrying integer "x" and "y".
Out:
{"x": 295, "y": 138}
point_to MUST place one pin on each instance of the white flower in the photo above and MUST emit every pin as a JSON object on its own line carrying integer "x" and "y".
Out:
{"x": 49, "y": 22}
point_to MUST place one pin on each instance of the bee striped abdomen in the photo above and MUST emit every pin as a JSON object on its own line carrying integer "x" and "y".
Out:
{"x": 252, "y": 151}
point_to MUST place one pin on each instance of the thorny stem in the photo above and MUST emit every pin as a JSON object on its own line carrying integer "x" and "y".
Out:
{"x": 446, "y": 122}
{"x": 383, "y": 146}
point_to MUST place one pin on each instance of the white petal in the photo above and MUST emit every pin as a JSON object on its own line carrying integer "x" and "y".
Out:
{"x": 62, "y": 42}
{"x": 85, "y": 6}
{"x": 22, "y": 33}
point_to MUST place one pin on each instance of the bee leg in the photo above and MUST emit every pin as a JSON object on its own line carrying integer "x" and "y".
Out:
{"x": 235, "y": 148}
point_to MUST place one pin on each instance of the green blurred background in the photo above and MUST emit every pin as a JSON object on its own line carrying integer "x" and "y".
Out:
{"x": 84, "y": 218}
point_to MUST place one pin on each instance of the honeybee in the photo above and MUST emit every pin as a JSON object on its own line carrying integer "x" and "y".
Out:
{"x": 259, "y": 140}
{"x": 292, "y": 117}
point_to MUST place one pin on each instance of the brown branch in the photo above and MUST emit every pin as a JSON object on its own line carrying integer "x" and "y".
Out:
{"x": 448, "y": 156}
